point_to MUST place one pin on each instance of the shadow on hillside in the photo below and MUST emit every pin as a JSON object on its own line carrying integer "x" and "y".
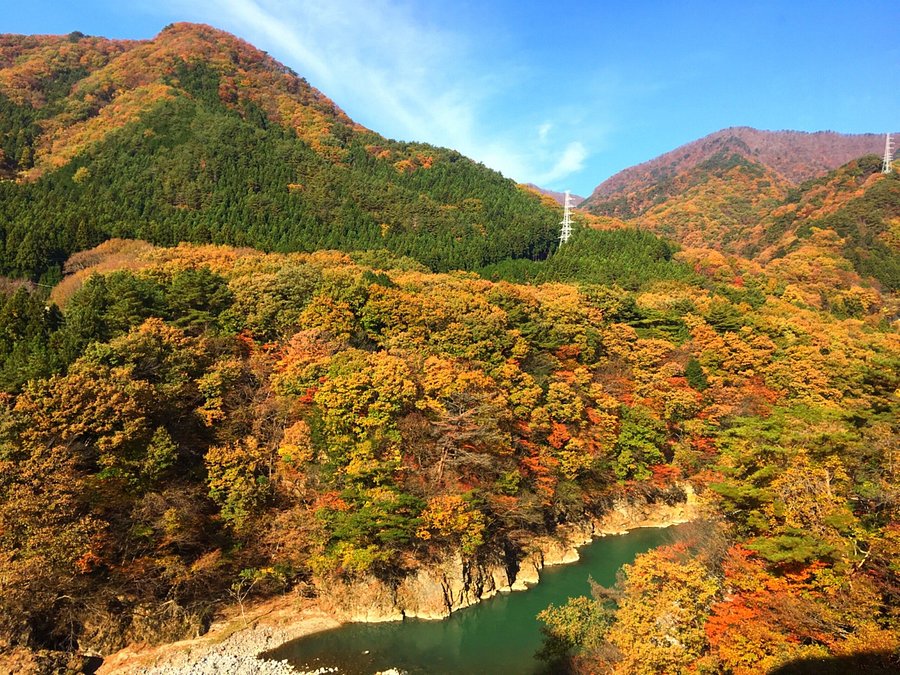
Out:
{"x": 872, "y": 663}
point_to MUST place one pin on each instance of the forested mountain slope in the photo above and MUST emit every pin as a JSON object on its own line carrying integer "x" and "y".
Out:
{"x": 789, "y": 156}
{"x": 197, "y": 136}
{"x": 730, "y": 192}
{"x": 197, "y": 420}
{"x": 857, "y": 202}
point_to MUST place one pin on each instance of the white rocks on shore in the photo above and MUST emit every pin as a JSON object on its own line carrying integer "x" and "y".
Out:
{"x": 214, "y": 664}
{"x": 238, "y": 654}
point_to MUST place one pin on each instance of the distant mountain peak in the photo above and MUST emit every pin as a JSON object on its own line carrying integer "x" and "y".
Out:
{"x": 763, "y": 194}
{"x": 558, "y": 197}
{"x": 790, "y": 156}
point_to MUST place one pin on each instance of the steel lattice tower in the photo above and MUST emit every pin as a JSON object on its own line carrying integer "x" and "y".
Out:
{"x": 566, "y": 221}
{"x": 888, "y": 155}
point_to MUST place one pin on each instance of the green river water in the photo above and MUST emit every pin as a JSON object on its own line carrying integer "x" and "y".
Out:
{"x": 496, "y": 636}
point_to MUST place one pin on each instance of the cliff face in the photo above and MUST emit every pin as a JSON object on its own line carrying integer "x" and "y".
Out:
{"x": 436, "y": 591}
{"x": 433, "y": 592}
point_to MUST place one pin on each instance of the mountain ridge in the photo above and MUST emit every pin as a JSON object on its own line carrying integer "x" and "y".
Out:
{"x": 559, "y": 197}
{"x": 124, "y": 75}
{"x": 736, "y": 191}
{"x": 196, "y": 135}
{"x": 794, "y": 156}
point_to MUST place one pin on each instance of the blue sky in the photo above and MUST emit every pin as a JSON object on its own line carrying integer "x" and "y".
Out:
{"x": 561, "y": 94}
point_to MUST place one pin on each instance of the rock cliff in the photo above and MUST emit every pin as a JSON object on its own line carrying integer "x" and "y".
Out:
{"x": 435, "y": 591}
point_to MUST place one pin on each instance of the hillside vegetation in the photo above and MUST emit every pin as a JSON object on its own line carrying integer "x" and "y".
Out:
{"x": 734, "y": 203}
{"x": 202, "y": 422}
{"x": 790, "y": 156}
{"x": 197, "y": 136}
{"x": 249, "y": 346}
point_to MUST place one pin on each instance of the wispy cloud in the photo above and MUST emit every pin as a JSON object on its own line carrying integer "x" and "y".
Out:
{"x": 543, "y": 130}
{"x": 572, "y": 161}
{"x": 403, "y": 77}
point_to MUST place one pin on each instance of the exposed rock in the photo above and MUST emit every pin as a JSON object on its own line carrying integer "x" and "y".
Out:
{"x": 432, "y": 592}
{"x": 464, "y": 584}
{"x": 423, "y": 595}
{"x": 370, "y": 600}
{"x": 528, "y": 574}
{"x": 628, "y": 515}
{"x": 435, "y": 591}
{"x": 501, "y": 582}
{"x": 558, "y": 550}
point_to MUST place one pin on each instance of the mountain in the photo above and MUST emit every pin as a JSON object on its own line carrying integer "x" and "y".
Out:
{"x": 196, "y": 135}
{"x": 857, "y": 202}
{"x": 763, "y": 194}
{"x": 85, "y": 88}
{"x": 785, "y": 157}
{"x": 559, "y": 197}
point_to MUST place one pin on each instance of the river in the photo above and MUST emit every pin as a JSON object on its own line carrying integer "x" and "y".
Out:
{"x": 496, "y": 636}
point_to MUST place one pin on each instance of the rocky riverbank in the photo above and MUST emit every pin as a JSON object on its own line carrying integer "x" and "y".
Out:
{"x": 438, "y": 590}
{"x": 230, "y": 646}
{"x": 433, "y": 592}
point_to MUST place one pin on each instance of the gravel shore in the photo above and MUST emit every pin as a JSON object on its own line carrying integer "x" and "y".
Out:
{"x": 236, "y": 655}
{"x": 230, "y": 648}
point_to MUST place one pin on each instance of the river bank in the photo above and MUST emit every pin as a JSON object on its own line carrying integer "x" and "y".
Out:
{"x": 233, "y": 644}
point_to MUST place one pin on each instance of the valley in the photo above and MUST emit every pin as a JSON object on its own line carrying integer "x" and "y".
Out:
{"x": 256, "y": 355}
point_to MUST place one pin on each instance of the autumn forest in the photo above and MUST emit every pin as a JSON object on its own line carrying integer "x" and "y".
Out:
{"x": 249, "y": 347}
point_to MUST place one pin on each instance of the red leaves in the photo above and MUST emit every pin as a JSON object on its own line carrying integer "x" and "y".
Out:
{"x": 704, "y": 444}
{"x": 308, "y": 395}
{"x": 331, "y": 501}
{"x": 246, "y": 342}
{"x": 665, "y": 474}
{"x": 724, "y": 617}
{"x": 523, "y": 427}
{"x": 542, "y": 468}
{"x": 559, "y": 436}
{"x": 567, "y": 352}
{"x": 594, "y": 416}
{"x": 87, "y": 563}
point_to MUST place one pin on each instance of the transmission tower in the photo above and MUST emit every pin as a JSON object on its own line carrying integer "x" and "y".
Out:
{"x": 566, "y": 221}
{"x": 888, "y": 155}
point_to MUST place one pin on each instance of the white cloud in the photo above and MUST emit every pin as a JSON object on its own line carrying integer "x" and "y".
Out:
{"x": 544, "y": 130}
{"x": 571, "y": 161}
{"x": 404, "y": 78}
